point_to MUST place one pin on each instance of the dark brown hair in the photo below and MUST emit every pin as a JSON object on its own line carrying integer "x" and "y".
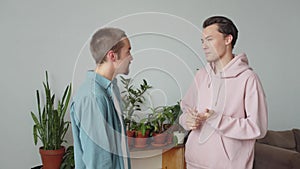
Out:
{"x": 226, "y": 26}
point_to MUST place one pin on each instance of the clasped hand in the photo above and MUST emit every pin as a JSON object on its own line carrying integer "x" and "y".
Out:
{"x": 195, "y": 119}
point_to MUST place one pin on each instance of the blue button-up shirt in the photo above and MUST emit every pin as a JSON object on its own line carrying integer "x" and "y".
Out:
{"x": 96, "y": 126}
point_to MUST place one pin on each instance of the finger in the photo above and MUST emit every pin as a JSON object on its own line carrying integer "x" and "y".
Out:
{"x": 203, "y": 116}
{"x": 192, "y": 124}
{"x": 192, "y": 110}
{"x": 193, "y": 127}
{"x": 192, "y": 113}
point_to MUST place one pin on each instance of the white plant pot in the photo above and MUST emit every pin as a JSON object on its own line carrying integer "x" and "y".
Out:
{"x": 180, "y": 137}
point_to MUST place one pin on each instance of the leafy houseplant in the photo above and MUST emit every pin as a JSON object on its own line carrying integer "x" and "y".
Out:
{"x": 173, "y": 128}
{"x": 68, "y": 159}
{"x": 158, "y": 118}
{"x": 132, "y": 99}
{"x": 178, "y": 131}
{"x": 142, "y": 131}
{"x": 172, "y": 113}
{"x": 49, "y": 126}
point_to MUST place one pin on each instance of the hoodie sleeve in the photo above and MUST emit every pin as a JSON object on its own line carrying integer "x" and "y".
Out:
{"x": 190, "y": 100}
{"x": 254, "y": 124}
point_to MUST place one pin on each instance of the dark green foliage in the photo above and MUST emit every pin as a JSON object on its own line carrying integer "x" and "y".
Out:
{"x": 132, "y": 99}
{"x": 49, "y": 126}
{"x": 68, "y": 159}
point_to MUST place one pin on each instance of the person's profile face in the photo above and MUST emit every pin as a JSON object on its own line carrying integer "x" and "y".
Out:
{"x": 125, "y": 58}
{"x": 213, "y": 43}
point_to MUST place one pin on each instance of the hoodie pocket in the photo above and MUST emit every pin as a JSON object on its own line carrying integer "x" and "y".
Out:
{"x": 231, "y": 147}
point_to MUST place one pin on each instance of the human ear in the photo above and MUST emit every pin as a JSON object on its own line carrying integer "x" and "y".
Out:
{"x": 111, "y": 56}
{"x": 228, "y": 39}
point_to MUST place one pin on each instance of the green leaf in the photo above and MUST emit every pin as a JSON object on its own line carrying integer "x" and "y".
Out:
{"x": 35, "y": 136}
{"x": 50, "y": 127}
{"x": 36, "y": 121}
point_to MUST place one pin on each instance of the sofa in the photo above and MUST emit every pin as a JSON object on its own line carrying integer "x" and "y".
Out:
{"x": 278, "y": 150}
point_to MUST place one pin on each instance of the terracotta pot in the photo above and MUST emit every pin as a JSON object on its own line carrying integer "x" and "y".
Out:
{"x": 52, "y": 159}
{"x": 170, "y": 138}
{"x": 130, "y": 137}
{"x": 159, "y": 138}
{"x": 140, "y": 140}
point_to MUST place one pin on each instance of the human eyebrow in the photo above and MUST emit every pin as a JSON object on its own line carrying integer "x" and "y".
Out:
{"x": 207, "y": 37}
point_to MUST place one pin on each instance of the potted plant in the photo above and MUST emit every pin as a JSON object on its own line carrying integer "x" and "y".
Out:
{"x": 158, "y": 117}
{"x": 131, "y": 133}
{"x": 50, "y": 127}
{"x": 171, "y": 114}
{"x": 68, "y": 159}
{"x": 179, "y": 133}
{"x": 142, "y": 132}
{"x": 132, "y": 99}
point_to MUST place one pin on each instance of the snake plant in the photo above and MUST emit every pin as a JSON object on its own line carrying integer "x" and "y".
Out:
{"x": 50, "y": 126}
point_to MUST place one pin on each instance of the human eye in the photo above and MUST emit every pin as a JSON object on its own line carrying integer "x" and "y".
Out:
{"x": 209, "y": 39}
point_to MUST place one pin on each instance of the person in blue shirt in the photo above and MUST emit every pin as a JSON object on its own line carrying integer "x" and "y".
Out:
{"x": 97, "y": 124}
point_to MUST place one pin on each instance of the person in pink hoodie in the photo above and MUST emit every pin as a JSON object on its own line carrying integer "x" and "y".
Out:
{"x": 225, "y": 107}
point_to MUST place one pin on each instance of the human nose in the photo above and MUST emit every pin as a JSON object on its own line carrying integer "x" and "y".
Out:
{"x": 204, "y": 44}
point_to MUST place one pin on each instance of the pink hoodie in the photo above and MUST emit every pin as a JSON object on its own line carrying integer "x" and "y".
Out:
{"x": 226, "y": 140}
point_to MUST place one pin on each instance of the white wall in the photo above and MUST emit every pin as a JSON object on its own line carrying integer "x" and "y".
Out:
{"x": 48, "y": 35}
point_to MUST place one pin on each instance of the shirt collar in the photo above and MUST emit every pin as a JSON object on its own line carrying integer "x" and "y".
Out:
{"x": 102, "y": 81}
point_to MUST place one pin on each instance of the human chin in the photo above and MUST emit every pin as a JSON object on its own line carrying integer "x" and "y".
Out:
{"x": 124, "y": 70}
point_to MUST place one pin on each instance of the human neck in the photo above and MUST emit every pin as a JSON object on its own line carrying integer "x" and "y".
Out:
{"x": 105, "y": 70}
{"x": 222, "y": 62}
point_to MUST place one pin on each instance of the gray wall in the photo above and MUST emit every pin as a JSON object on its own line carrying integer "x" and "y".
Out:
{"x": 41, "y": 35}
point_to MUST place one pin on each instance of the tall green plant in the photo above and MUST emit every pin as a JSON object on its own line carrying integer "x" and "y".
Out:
{"x": 132, "y": 98}
{"x": 49, "y": 126}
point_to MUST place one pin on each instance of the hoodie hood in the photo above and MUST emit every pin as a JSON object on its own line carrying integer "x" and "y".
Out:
{"x": 235, "y": 67}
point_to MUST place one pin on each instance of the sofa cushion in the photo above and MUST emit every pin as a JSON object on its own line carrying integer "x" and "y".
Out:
{"x": 297, "y": 138}
{"x": 271, "y": 157}
{"x": 283, "y": 139}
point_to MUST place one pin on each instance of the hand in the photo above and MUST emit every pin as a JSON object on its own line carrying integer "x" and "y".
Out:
{"x": 193, "y": 119}
{"x": 207, "y": 113}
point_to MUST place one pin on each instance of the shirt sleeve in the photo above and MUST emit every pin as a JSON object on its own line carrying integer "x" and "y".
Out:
{"x": 254, "y": 125}
{"x": 95, "y": 133}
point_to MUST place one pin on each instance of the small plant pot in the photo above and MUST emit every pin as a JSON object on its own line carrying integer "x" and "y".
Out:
{"x": 52, "y": 159}
{"x": 140, "y": 141}
{"x": 159, "y": 139}
{"x": 179, "y": 137}
{"x": 130, "y": 137}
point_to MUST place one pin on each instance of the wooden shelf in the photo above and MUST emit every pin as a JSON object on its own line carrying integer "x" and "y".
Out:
{"x": 174, "y": 158}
